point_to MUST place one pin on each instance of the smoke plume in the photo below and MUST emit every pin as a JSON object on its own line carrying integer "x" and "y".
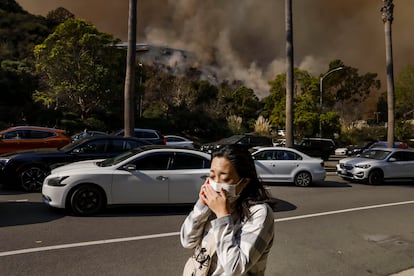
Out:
{"x": 245, "y": 39}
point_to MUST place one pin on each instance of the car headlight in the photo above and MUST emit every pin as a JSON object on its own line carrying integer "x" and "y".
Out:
{"x": 56, "y": 181}
{"x": 363, "y": 166}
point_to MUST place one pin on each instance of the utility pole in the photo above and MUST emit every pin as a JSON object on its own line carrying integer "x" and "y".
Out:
{"x": 387, "y": 18}
{"x": 289, "y": 73}
{"x": 130, "y": 71}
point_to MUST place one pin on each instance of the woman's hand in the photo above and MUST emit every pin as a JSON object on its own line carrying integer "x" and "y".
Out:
{"x": 216, "y": 201}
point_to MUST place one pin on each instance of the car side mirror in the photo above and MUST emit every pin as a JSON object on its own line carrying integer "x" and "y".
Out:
{"x": 76, "y": 151}
{"x": 130, "y": 167}
{"x": 392, "y": 159}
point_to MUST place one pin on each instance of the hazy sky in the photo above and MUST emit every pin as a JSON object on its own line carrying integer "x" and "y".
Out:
{"x": 245, "y": 39}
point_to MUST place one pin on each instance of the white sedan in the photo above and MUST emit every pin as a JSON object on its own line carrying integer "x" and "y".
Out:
{"x": 146, "y": 175}
{"x": 179, "y": 141}
{"x": 280, "y": 164}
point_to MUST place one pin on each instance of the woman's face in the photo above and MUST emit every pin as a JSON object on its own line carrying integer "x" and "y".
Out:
{"x": 222, "y": 171}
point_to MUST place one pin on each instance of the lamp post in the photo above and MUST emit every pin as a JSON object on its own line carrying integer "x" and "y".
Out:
{"x": 321, "y": 95}
{"x": 140, "y": 90}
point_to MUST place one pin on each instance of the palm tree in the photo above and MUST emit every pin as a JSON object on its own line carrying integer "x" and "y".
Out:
{"x": 387, "y": 18}
{"x": 130, "y": 70}
{"x": 289, "y": 73}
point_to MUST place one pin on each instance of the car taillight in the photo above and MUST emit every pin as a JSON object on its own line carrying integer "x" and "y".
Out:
{"x": 164, "y": 140}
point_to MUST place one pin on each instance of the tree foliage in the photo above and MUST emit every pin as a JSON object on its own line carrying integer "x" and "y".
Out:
{"x": 404, "y": 88}
{"x": 80, "y": 67}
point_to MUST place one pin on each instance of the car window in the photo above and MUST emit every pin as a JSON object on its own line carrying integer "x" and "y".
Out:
{"x": 189, "y": 161}
{"x": 97, "y": 146}
{"x": 145, "y": 134}
{"x": 265, "y": 155}
{"x": 403, "y": 156}
{"x": 154, "y": 161}
{"x": 12, "y": 135}
{"x": 38, "y": 134}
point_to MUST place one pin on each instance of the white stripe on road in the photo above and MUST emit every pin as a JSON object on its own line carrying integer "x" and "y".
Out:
{"x": 346, "y": 210}
{"x": 80, "y": 244}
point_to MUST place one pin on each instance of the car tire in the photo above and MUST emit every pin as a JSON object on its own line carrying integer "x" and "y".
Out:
{"x": 303, "y": 179}
{"x": 86, "y": 200}
{"x": 375, "y": 177}
{"x": 31, "y": 178}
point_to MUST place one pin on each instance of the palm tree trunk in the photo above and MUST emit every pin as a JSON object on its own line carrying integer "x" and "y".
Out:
{"x": 387, "y": 18}
{"x": 130, "y": 70}
{"x": 289, "y": 73}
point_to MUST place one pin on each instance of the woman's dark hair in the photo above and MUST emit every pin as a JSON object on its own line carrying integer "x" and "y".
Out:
{"x": 242, "y": 161}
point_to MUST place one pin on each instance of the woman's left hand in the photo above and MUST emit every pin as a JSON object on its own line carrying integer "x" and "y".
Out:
{"x": 216, "y": 201}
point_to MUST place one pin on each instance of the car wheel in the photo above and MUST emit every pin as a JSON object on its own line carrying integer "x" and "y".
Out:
{"x": 86, "y": 200}
{"x": 303, "y": 179}
{"x": 31, "y": 178}
{"x": 376, "y": 177}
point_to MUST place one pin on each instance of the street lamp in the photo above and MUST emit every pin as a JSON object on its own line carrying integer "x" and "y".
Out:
{"x": 140, "y": 90}
{"x": 321, "y": 93}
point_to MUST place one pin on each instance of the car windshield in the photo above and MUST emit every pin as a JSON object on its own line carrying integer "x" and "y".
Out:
{"x": 71, "y": 146}
{"x": 119, "y": 158}
{"x": 376, "y": 154}
{"x": 231, "y": 140}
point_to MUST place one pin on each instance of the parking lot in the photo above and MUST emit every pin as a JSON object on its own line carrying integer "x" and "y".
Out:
{"x": 334, "y": 228}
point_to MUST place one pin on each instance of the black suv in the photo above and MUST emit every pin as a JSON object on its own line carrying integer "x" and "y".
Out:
{"x": 248, "y": 140}
{"x": 317, "y": 147}
{"x": 150, "y": 135}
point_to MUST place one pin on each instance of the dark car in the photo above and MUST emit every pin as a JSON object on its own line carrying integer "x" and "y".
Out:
{"x": 28, "y": 169}
{"x": 247, "y": 140}
{"x": 86, "y": 133}
{"x": 317, "y": 147}
{"x": 150, "y": 135}
{"x": 355, "y": 150}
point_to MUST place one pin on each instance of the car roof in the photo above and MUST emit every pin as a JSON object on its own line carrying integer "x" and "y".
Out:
{"x": 391, "y": 149}
{"x": 32, "y": 128}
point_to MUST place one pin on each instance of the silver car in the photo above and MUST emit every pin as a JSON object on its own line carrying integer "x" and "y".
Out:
{"x": 280, "y": 164}
{"x": 377, "y": 165}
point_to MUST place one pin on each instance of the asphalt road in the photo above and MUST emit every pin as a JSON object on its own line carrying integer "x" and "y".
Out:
{"x": 334, "y": 228}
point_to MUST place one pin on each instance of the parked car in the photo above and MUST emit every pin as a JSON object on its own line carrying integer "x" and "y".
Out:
{"x": 179, "y": 141}
{"x": 376, "y": 165}
{"x": 247, "y": 140}
{"x": 28, "y": 169}
{"x": 317, "y": 147}
{"x": 86, "y": 133}
{"x": 146, "y": 175}
{"x": 374, "y": 144}
{"x": 151, "y": 135}
{"x": 341, "y": 151}
{"x": 280, "y": 164}
{"x": 31, "y": 137}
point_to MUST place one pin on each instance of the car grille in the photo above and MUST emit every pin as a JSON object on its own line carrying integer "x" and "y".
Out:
{"x": 345, "y": 166}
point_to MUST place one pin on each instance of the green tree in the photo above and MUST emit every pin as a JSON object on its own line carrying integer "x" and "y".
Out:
{"x": 346, "y": 90}
{"x": 306, "y": 111}
{"x": 80, "y": 68}
{"x": 404, "y": 87}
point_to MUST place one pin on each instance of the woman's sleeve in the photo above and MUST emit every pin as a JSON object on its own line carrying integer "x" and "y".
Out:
{"x": 238, "y": 254}
{"x": 192, "y": 229}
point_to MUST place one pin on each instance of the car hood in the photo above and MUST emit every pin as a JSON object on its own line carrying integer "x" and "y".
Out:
{"x": 34, "y": 151}
{"x": 80, "y": 165}
{"x": 356, "y": 160}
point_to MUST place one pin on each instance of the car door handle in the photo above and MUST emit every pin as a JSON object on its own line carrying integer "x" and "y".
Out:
{"x": 162, "y": 178}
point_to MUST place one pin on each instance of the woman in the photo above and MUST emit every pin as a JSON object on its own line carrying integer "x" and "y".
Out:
{"x": 231, "y": 225}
